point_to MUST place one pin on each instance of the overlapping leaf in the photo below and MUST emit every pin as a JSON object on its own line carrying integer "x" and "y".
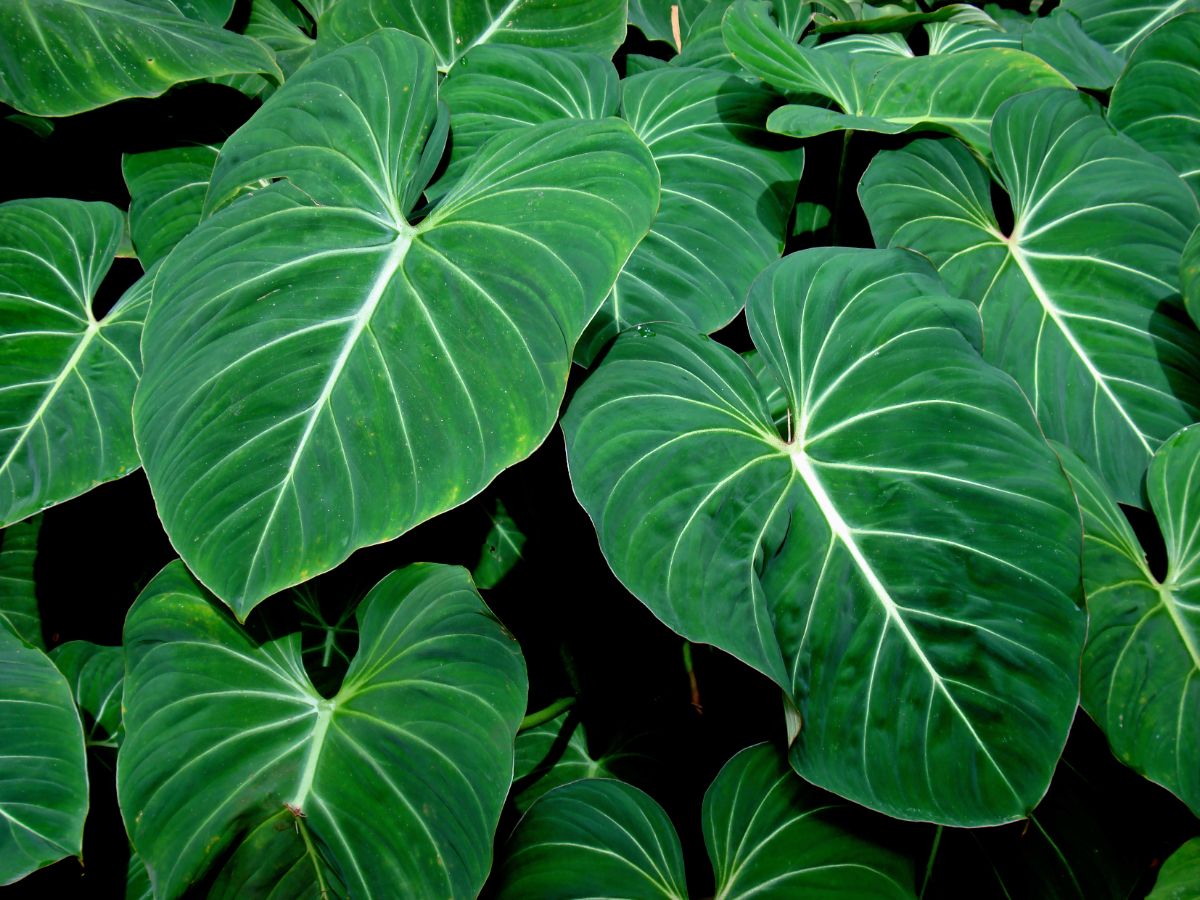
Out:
{"x": 67, "y": 378}
{"x": 1120, "y": 25}
{"x": 958, "y": 93}
{"x": 320, "y": 373}
{"x": 394, "y": 785}
{"x": 43, "y": 771}
{"x": 1141, "y": 669}
{"x": 850, "y": 567}
{"x": 1179, "y": 877}
{"x": 553, "y": 754}
{"x": 96, "y": 674}
{"x": 1189, "y": 275}
{"x": 501, "y": 549}
{"x": 166, "y": 189}
{"x": 59, "y": 57}
{"x": 1080, "y": 302}
{"x": 727, "y": 190}
{"x": 767, "y": 833}
{"x": 455, "y": 27}
{"x": 1155, "y": 103}
{"x": 18, "y": 592}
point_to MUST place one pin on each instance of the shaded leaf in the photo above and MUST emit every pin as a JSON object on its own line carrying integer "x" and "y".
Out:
{"x": 96, "y": 674}
{"x": 18, "y": 592}
{"x": 166, "y": 190}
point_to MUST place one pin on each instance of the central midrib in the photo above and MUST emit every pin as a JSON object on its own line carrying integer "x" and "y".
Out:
{"x": 391, "y": 264}
{"x": 845, "y": 534}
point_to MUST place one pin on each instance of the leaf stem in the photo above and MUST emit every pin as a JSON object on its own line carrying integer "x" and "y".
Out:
{"x": 312, "y": 852}
{"x": 546, "y": 714}
{"x": 691, "y": 673}
{"x": 937, "y": 840}
{"x": 841, "y": 178}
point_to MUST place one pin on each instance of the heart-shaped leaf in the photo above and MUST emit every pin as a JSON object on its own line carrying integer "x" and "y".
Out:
{"x": 1080, "y": 302}
{"x": 848, "y": 566}
{"x": 767, "y": 833}
{"x": 67, "y": 378}
{"x": 1154, "y": 101}
{"x": 958, "y": 93}
{"x": 321, "y": 374}
{"x": 1179, "y": 877}
{"x": 395, "y": 783}
{"x": 166, "y": 190}
{"x": 43, "y": 770}
{"x": 455, "y": 27}
{"x": 53, "y": 62}
{"x": 18, "y": 592}
{"x": 1141, "y": 668}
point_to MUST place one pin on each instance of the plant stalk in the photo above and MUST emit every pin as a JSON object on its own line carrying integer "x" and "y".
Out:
{"x": 546, "y": 714}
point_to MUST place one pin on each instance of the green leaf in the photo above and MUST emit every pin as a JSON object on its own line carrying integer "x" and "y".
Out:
{"x": 1179, "y": 877}
{"x": 1120, "y": 25}
{"x": 396, "y": 782}
{"x": 66, "y": 377}
{"x": 704, "y": 42}
{"x": 553, "y": 754}
{"x": 964, "y": 534}
{"x": 1060, "y": 40}
{"x": 499, "y": 88}
{"x": 53, "y": 61}
{"x": 653, "y": 17}
{"x": 1189, "y": 274}
{"x": 952, "y": 37}
{"x": 137, "y": 879}
{"x": 810, "y": 218}
{"x": 322, "y": 375}
{"x": 166, "y": 189}
{"x": 43, "y": 770}
{"x": 1154, "y": 101}
{"x": 1081, "y": 302}
{"x": 501, "y": 549}
{"x": 454, "y": 28}
{"x": 281, "y": 26}
{"x": 593, "y": 838}
{"x": 275, "y": 861}
{"x": 95, "y": 674}
{"x": 768, "y": 832}
{"x": 728, "y": 188}
{"x": 896, "y": 18}
{"x": 1142, "y": 659}
{"x": 958, "y": 93}
{"x": 18, "y": 592}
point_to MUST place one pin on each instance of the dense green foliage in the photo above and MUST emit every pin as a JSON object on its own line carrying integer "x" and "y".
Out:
{"x": 869, "y": 331}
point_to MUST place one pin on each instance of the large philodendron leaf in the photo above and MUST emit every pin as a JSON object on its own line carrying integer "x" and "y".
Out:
{"x": 60, "y": 57}
{"x": 43, "y": 769}
{"x": 453, "y": 28}
{"x": 958, "y": 93}
{"x": 594, "y": 838}
{"x": 321, "y": 374}
{"x": 728, "y": 188}
{"x": 767, "y": 833}
{"x": 1120, "y": 25}
{"x": 851, "y": 567}
{"x": 501, "y": 88}
{"x": 67, "y": 378}
{"x": 166, "y": 190}
{"x": 1080, "y": 302}
{"x": 395, "y": 784}
{"x": 1155, "y": 100}
{"x": 18, "y": 591}
{"x": 1141, "y": 668}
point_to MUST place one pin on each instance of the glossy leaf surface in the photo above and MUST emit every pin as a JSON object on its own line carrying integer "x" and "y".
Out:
{"x": 455, "y": 27}
{"x": 1121, "y": 25}
{"x": 60, "y": 57}
{"x": 767, "y": 547}
{"x": 67, "y": 378}
{"x": 166, "y": 189}
{"x": 375, "y": 372}
{"x": 1141, "y": 669}
{"x": 1080, "y": 303}
{"x": 1179, "y": 877}
{"x": 18, "y": 592}
{"x": 400, "y": 776}
{"x": 43, "y": 773}
{"x": 1155, "y": 100}
{"x": 96, "y": 674}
